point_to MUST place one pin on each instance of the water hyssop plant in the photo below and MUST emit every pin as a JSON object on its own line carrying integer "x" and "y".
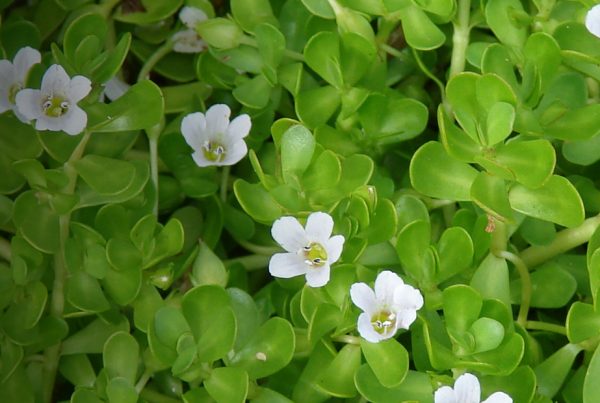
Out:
{"x": 299, "y": 201}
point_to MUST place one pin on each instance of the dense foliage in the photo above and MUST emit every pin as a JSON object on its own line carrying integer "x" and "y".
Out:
{"x": 299, "y": 200}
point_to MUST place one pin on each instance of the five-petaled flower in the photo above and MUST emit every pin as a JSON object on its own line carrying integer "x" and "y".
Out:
{"x": 214, "y": 139}
{"x": 592, "y": 20}
{"x": 310, "y": 251}
{"x": 13, "y": 76}
{"x": 392, "y": 306}
{"x": 187, "y": 40}
{"x": 54, "y": 106}
{"x": 467, "y": 390}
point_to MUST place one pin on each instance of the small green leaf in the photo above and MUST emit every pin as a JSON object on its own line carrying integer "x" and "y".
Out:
{"x": 388, "y": 360}
{"x": 488, "y": 334}
{"x": 552, "y": 372}
{"x": 591, "y": 387}
{"x": 297, "y": 148}
{"x": 556, "y": 201}
{"x": 227, "y": 385}
{"x": 490, "y": 193}
{"x": 120, "y": 357}
{"x": 250, "y": 13}
{"x": 500, "y": 119}
{"x": 84, "y": 292}
{"x": 208, "y": 268}
{"x": 322, "y": 54}
{"x": 434, "y": 173}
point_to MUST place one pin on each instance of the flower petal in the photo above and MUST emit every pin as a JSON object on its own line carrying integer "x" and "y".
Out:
{"x": 193, "y": 128}
{"x": 318, "y": 227}
{"x": 365, "y": 329}
{"x": 363, "y": 297}
{"x": 286, "y": 265}
{"x": 385, "y": 285}
{"x": 187, "y": 41}
{"x": 115, "y": 88}
{"x": 8, "y": 75}
{"x": 288, "y": 233}
{"x": 592, "y": 20}
{"x": 25, "y": 59}
{"x": 467, "y": 389}
{"x": 29, "y": 104}
{"x": 217, "y": 119}
{"x": 318, "y": 276}
{"x": 498, "y": 397}
{"x": 408, "y": 297}
{"x": 55, "y": 81}
{"x": 235, "y": 152}
{"x": 75, "y": 121}
{"x": 201, "y": 160}
{"x": 79, "y": 87}
{"x": 445, "y": 394}
{"x": 239, "y": 128}
{"x": 191, "y": 16}
{"x": 334, "y": 246}
{"x": 405, "y": 317}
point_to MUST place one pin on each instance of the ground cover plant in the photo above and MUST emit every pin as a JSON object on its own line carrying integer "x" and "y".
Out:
{"x": 299, "y": 200}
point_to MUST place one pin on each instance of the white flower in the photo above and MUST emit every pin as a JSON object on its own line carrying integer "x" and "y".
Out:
{"x": 392, "y": 306}
{"x": 188, "y": 41}
{"x": 592, "y": 20}
{"x": 54, "y": 106}
{"x": 214, "y": 139}
{"x": 310, "y": 250}
{"x": 467, "y": 390}
{"x": 115, "y": 88}
{"x": 13, "y": 76}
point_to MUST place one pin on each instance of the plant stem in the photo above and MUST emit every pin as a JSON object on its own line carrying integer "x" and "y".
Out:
{"x": 565, "y": 240}
{"x": 429, "y": 74}
{"x": 155, "y": 58}
{"x": 525, "y": 285}
{"x": 499, "y": 238}
{"x": 345, "y": 338}
{"x": 550, "y": 327}
{"x": 141, "y": 384}
{"x": 5, "y": 251}
{"x": 224, "y": 182}
{"x": 153, "y": 134}
{"x": 57, "y": 303}
{"x": 460, "y": 39}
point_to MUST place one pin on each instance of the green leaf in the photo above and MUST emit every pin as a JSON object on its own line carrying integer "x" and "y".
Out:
{"x": 319, "y": 8}
{"x": 490, "y": 193}
{"x": 388, "y": 360}
{"x": 499, "y": 15}
{"x": 322, "y": 54}
{"x": 462, "y": 305}
{"x": 552, "y": 372}
{"x": 84, "y": 292}
{"x": 78, "y": 370}
{"x": 227, "y": 385}
{"x": 36, "y": 221}
{"x": 120, "y": 390}
{"x": 412, "y": 245}
{"x": 491, "y": 279}
{"x": 434, "y": 173}
{"x": 421, "y": 33}
{"x": 152, "y": 12}
{"x": 455, "y": 251}
{"x": 499, "y": 125}
{"x": 208, "y": 312}
{"x": 556, "y": 201}
{"x": 257, "y": 202}
{"x": 487, "y": 333}
{"x": 208, "y": 268}
{"x": 123, "y": 285}
{"x": 314, "y": 107}
{"x": 141, "y": 107}
{"x": 268, "y": 351}
{"x": 120, "y": 357}
{"x": 392, "y": 119}
{"x": 90, "y": 25}
{"x": 165, "y": 331}
{"x": 532, "y": 162}
{"x": 91, "y": 339}
{"x": 93, "y": 169}
{"x": 254, "y": 93}
{"x": 416, "y": 387}
{"x": 552, "y": 287}
{"x": 297, "y": 148}
{"x": 591, "y": 387}
{"x": 338, "y": 378}
{"x": 250, "y": 13}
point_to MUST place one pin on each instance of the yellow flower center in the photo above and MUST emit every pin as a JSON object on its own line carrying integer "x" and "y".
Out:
{"x": 315, "y": 254}
{"x": 12, "y": 92}
{"x": 213, "y": 151}
{"x": 55, "y": 107}
{"x": 383, "y": 321}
